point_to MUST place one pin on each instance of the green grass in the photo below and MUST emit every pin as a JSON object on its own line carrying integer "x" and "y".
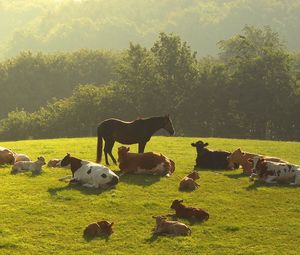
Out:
{"x": 40, "y": 215}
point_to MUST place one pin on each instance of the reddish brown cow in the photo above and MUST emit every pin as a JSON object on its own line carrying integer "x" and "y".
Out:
{"x": 189, "y": 212}
{"x": 144, "y": 163}
{"x": 6, "y": 156}
{"x": 188, "y": 182}
{"x": 98, "y": 229}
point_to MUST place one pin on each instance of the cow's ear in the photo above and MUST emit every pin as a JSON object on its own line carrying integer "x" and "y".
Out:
{"x": 193, "y": 144}
{"x": 206, "y": 144}
{"x": 111, "y": 224}
{"x": 127, "y": 149}
{"x": 180, "y": 201}
{"x": 239, "y": 150}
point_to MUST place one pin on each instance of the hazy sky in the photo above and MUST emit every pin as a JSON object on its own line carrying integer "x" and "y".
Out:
{"x": 62, "y": 25}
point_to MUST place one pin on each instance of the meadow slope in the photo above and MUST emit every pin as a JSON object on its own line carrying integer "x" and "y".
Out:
{"x": 40, "y": 215}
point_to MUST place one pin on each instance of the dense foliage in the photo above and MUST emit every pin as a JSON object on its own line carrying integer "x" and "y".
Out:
{"x": 29, "y": 80}
{"x": 250, "y": 91}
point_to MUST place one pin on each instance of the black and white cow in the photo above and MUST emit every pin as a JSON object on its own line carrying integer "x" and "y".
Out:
{"x": 89, "y": 174}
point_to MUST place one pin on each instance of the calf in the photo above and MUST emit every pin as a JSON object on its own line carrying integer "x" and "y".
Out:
{"x": 189, "y": 212}
{"x": 188, "y": 182}
{"x": 175, "y": 228}
{"x": 98, "y": 229}
{"x": 89, "y": 174}
{"x": 35, "y": 167}
{"x": 21, "y": 157}
{"x": 144, "y": 163}
{"x": 211, "y": 159}
{"x": 53, "y": 163}
{"x": 273, "y": 172}
{"x": 6, "y": 156}
{"x": 242, "y": 158}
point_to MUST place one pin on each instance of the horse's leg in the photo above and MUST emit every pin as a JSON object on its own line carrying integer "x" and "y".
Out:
{"x": 108, "y": 150}
{"x": 105, "y": 152}
{"x": 142, "y": 147}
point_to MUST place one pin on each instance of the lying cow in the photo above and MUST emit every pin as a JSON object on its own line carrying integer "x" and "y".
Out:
{"x": 144, "y": 163}
{"x": 89, "y": 174}
{"x": 211, "y": 159}
{"x": 6, "y": 156}
{"x": 273, "y": 172}
{"x": 188, "y": 182}
{"x": 242, "y": 158}
{"x": 99, "y": 228}
{"x": 21, "y": 157}
{"x": 34, "y": 166}
{"x": 190, "y": 213}
{"x": 168, "y": 227}
{"x": 53, "y": 163}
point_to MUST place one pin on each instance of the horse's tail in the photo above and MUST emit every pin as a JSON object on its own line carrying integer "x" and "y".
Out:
{"x": 99, "y": 145}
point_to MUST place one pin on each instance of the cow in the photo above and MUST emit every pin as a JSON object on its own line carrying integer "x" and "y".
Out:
{"x": 99, "y": 228}
{"x": 190, "y": 213}
{"x": 188, "y": 182}
{"x": 242, "y": 158}
{"x": 144, "y": 163}
{"x": 6, "y": 156}
{"x": 22, "y": 166}
{"x": 89, "y": 174}
{"x": 175, "y": 228}
{"x": 211, "y": 159}
{"x": 273, "y": 172}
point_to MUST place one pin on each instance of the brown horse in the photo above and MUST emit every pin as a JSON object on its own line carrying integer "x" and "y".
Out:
{"x": 137, "y": 131}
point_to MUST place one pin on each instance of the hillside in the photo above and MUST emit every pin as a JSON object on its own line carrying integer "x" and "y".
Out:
{"x": 42, "y": 215}
{"x": 68, "y": 24}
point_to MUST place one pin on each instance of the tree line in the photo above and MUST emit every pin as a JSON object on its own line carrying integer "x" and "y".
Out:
{"x": 251, "y": 90}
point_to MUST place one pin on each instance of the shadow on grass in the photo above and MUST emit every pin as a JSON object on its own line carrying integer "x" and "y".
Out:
{"x": 141, "y": 179}
{"x": 256, "y": 184}
{"x": 89, "y": 191}
{"x": 218, "y": 170}
{"x": 152, "y": 238}
{"x": 236, "y": 176}
{"x": 103, "y": 237}
{"x": 5, "y": 166}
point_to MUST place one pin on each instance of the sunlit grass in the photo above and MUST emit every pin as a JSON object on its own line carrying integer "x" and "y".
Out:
{"x": 41, "y": 215}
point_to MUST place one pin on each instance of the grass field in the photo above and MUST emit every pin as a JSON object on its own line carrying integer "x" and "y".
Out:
{"x": 40, "y": 215}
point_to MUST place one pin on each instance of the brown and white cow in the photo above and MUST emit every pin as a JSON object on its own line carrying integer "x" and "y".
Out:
{"x": 242, "y": 158}
{"x": 144, "y": 163}
{"x": 273, "y": 172}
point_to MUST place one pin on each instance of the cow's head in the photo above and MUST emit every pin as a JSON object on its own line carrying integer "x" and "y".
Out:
{"x": 194, "y": 175}
{"x": 199, "y": 146}
{"x": 107, "y": 177}
{"x": 258, "y": 165}
{"x": 106, "y": 227}
{"x": 122, "y": 151}
{"x": 69, "y": 160}
{"x": 176, "y": 204}
{"x": 236, "y": 156}
{"x": 41, "y": 160}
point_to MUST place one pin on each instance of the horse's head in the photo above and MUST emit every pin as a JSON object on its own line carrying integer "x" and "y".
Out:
{"x": 168, "y": 126}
